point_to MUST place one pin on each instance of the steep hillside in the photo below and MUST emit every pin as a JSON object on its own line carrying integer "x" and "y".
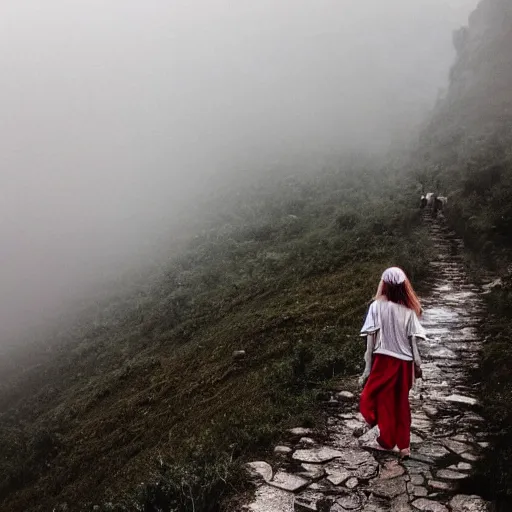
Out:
{"x": 142, "y": 404}
{"x": 466, "y": 153}
{"x": 465, "y": 149}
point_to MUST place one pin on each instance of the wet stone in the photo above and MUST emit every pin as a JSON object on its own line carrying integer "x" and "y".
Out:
{"x": 316, "y": 455}
{"x": 448, "y": 474}
{"x": 455, "y": 446}
{"x": 470, "y": 457}
{"x": 353, "y": 458}
{"x": 282, "y": 450}
{"x": 306, "y": 441}
{"x": 288, "y": 482}
{"x": 415, "y": 467}
{"x": 388, "y": 488}
{"x": 433, "y": 450}
{"x": 460, "y": 399}
{"x": 427, "y": 505}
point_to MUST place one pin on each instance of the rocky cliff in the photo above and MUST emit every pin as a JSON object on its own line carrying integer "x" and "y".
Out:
{"x": 464, "y": 149}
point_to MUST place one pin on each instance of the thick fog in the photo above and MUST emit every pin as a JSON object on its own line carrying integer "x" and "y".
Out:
{"x": 114, "y": 113}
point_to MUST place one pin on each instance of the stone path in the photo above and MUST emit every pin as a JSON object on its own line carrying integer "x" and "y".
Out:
{"x": 339, "y": 474}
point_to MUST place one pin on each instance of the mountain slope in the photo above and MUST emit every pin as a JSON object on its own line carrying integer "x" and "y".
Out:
{"x": 147, "y": 390}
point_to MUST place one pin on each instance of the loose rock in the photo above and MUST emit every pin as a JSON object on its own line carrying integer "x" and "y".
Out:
{"x": 288, "y": 482}
{"x": 260, "y": 469}
{"x": 448, "y": 474}
{"x": 352, "y": 483}
{"x": 346, "y": 395}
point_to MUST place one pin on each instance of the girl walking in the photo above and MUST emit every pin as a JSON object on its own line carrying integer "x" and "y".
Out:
{"x": 392, "y": 360}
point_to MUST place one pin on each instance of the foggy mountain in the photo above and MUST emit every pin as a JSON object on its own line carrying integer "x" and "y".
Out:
{"x": 242, "y": 149}
{"x": 118, "y": 117}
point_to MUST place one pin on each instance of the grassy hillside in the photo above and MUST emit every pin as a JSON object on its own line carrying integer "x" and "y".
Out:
{"x": 466, "y": 152}
{"x": 141, "y": 404}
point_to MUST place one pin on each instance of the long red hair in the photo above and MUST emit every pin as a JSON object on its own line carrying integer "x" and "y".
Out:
{"x": 402, "y": 293}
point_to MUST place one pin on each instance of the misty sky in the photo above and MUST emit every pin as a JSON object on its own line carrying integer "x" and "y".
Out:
{"x": 114, "y": 112}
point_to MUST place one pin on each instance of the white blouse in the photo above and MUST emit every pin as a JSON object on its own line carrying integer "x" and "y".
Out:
{"x": 393, "y": 325}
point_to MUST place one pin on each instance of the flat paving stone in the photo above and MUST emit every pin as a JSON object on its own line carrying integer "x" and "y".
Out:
{"x": 426, "y": 505}
{"x": 455, "y": 446}
{"x": 439, "y": 486}
{"x": 337, "y": 475}
{"x": 271, "y": 499}
{"x": 316, "y": 455}
{"x": 388, "y": 488}
{"x": 288, "y": 482}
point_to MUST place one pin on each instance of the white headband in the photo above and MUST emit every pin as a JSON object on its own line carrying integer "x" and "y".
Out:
{"x": 394, "y": 275}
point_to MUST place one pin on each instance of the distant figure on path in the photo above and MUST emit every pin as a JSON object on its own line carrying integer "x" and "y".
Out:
{"x": 392, "y": 361}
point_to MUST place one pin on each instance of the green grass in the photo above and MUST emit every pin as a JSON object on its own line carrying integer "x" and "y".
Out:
{"x": 142, "y": 407}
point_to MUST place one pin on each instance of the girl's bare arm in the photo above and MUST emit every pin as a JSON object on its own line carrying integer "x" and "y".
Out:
{"x": 415, "y": 351}
{"x": 368, "y": 357}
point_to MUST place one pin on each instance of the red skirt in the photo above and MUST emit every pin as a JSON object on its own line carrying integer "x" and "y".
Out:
{"x": 385, "y": 400}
